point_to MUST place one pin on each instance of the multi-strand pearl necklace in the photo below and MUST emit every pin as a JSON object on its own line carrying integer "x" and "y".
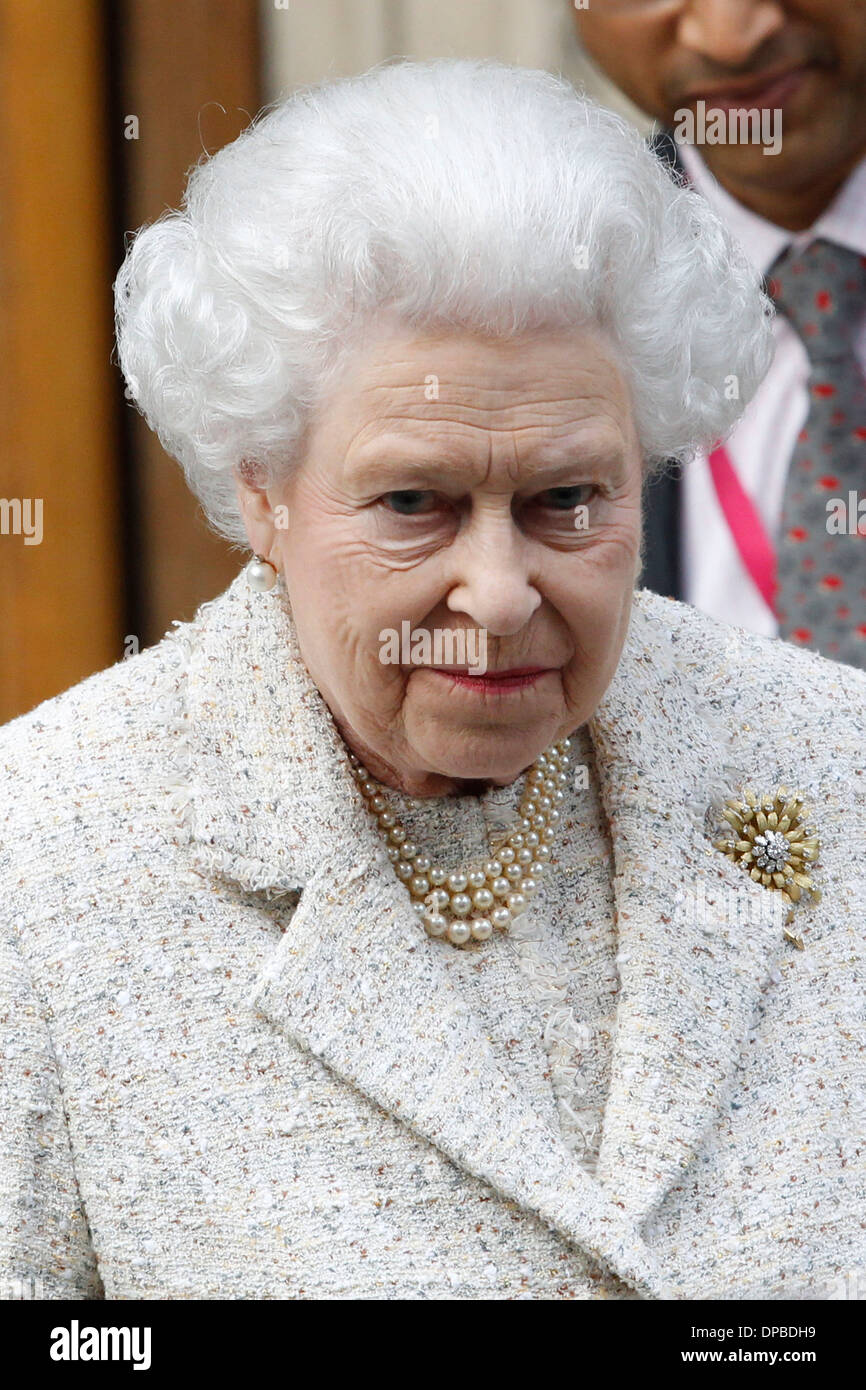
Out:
{"x": 466, "y": 904}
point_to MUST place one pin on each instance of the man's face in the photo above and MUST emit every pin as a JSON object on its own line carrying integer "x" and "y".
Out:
{"x": 805, "y": 57}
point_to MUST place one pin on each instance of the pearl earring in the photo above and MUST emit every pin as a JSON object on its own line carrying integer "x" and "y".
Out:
{"x": 261, "y": 574}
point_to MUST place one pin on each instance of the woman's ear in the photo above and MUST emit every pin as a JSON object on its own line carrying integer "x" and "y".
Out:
{"x": 255, "y": 507}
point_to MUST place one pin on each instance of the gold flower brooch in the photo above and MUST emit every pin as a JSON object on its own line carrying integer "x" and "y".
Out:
{"x": 775, "y": 846}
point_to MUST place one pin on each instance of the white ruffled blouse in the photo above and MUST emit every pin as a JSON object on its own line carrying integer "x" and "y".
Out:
{"x": 547, "y": 989}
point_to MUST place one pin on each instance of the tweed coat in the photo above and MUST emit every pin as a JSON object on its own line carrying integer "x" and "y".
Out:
{"x": 233, "y": 1068}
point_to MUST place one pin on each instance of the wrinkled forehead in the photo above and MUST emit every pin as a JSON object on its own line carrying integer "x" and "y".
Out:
{"x": 541, "y": 396}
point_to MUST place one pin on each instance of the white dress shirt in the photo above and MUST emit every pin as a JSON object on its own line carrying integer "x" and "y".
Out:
{"x": 760, "y": 448}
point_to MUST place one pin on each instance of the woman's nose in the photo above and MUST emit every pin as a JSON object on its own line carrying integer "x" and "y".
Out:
{"x": 491, "y": 576}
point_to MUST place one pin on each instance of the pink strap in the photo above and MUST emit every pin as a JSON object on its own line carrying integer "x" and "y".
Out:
{"x": 747, "y": 529}
{"x": 756, "y": 550}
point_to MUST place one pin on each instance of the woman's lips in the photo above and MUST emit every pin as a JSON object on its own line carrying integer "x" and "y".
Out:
{"x": 496, "y": 682}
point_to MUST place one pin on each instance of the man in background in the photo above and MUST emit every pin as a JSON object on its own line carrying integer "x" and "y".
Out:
{"x": 769, "y": 531}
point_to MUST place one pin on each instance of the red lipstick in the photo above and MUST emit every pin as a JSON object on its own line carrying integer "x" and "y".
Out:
{"x": 496, "y": 682}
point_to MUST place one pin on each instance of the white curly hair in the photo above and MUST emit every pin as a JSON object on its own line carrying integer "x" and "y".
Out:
{"x": 462, "y": 194}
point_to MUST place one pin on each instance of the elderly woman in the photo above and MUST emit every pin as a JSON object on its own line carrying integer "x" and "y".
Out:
{"x": 435, "y": 916}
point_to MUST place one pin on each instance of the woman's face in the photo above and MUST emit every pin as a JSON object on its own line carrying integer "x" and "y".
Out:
{"x": 477, "y": 490}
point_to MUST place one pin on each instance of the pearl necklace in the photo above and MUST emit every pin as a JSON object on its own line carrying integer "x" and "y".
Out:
{"x": 468, "y": 903}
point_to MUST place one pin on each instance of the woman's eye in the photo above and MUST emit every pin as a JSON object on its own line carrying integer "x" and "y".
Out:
{"x": 408, "y": 503}
{"x": 419, "y": 502}
{"x": 566, "y": 498}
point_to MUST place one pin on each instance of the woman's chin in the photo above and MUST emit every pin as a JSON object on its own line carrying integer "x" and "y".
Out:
{"x": 496, "y": 755}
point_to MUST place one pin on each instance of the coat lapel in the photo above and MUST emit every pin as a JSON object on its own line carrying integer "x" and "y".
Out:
{"x": 698, "y": 938}
{"x": 265, "y": 797}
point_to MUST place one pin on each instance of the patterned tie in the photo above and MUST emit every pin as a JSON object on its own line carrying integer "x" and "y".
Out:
{"x": 821, "y": 599}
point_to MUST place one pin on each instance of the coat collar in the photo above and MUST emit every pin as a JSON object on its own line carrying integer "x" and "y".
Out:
{"x": 267, "y": 802}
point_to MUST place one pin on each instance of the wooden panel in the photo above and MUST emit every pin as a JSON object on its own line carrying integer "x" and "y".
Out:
{"x": 61, "y": 599}
{"x": 189, "y": 71}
